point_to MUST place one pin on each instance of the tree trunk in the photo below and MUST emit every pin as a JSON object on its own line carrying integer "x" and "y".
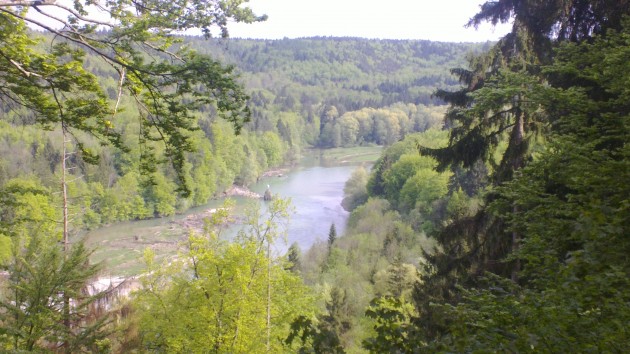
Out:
{"x": 66, "y": 246}
{"x": 517, "y": 140}
{"x": 268, "y": 296}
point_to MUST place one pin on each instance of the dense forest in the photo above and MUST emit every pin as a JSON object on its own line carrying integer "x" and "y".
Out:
{"x": 495, "y": 220}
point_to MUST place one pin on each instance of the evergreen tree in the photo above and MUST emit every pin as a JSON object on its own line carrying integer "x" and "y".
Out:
{"x": 336, "y": 320}
{"x": 47, "y": 304}
{"x": 293, "y": 257}
{"x": 32, "y": 310}
{"x": 323, "y": 335}
{"x": 573, "y": 215}
{"x": 332, "y": 236}
{"x": 501, "y": 106}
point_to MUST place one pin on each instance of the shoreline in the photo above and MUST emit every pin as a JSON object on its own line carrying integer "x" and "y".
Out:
{"x": 239, "y": 191}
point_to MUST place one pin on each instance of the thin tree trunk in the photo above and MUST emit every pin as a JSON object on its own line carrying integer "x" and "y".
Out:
{"x": 64, "y": 193}
{"x": 516, "y": 240}
{"x": 268, "y": 296}
{"x": 517, "y": 140}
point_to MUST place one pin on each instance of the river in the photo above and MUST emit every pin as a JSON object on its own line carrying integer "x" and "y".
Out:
{"x": 315, "y": 190}
{"x": 316, "y": 193}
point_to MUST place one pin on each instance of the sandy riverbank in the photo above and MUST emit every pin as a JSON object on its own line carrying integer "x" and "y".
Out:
{"x": 195, "y": 222}
{"x": 276, "y": 172}
{"x": 241, "y": 192}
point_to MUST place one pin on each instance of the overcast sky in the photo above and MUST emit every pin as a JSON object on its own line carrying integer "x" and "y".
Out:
{"x": 437, "y": 20}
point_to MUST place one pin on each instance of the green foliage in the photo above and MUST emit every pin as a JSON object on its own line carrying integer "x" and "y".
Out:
{"x": 313, "y": 337}
{"x": 27, "y": 210}
{"x": 383, "y": 126}
{"x": 410, "y": 183}
{"x": 421, "y": 190}
{"x": 397, "y": 279}
{"x": 332, "y": 236}
{"x": 167, "y": 81}
{"x": 569, "y": 209}
{"x": 393, "y": 323}
{"x": 347, "y": 73}
{"x": 213, "y": 297}
{"x": 323, "y": 335}
{"x": 376, "y": 256}
{"x": 293, "y": 257}
{"x": 516, "y": 96}
{"x": 355, "y": 189}
{"x": 575, "y": 271}
{"x": 131, "y": 96}
{"x": 42, "y": 279}
{"x": 31, "y": 306}
{"x": 377, "y": 183}
{"x": 5, "y": 248}
{"x": 396, "y": 177}
{"x": 273, "y": 148}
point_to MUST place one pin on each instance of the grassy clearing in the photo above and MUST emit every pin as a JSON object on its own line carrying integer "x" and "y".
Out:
{"x": 121, "y": 247}
{"x": 358, "y": 154}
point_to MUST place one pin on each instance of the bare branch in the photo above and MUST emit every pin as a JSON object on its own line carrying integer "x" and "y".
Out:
{"x": 122, "y": 72}
{"x": 80, "y": 40}
{"x": 72, "y": 12}
{"x": 32, "y": 3}
{"x": 19, "y": 66}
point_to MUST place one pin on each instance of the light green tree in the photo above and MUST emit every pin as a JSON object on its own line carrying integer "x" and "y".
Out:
{"x": 401, "y": 171}
{"x": 355, "y": 189}
{"x": 223, "y": 296}
{"x": 273, "y": 147}
{"x": 349, "y": 130}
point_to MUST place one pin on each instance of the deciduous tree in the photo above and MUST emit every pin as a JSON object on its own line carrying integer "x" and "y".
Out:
{"x": 224, "y": 296}
{"x": 167, "y": 80}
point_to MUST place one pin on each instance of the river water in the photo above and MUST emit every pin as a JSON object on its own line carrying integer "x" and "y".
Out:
{"x": 316, "y": 193}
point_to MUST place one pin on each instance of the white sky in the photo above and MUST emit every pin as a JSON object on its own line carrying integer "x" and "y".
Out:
{"x": 436, "y": 20}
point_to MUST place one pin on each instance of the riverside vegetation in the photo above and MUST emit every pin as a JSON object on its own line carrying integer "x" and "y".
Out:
{"x": 498, "y": 224}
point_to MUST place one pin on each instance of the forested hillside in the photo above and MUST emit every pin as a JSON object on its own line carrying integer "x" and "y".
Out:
{"x": 348, "y": 73}
{"x": 373, "y": 82}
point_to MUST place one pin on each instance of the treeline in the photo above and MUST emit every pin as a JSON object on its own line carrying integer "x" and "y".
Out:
{"x": 114, "y": 189}
{"x": 322, "y": 79}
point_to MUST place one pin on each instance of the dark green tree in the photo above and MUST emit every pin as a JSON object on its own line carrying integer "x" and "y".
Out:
{"x": 323, "y": 335}
{"x": 293, "y": 256}
{"x": 573, "y": 216}
{"x": 501, "y": 111}
{"x": 332, "y": 236}
{"x": 40, "y": 277}
{"x": 393, "y": 326}
{"x": 313, "y": 337}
